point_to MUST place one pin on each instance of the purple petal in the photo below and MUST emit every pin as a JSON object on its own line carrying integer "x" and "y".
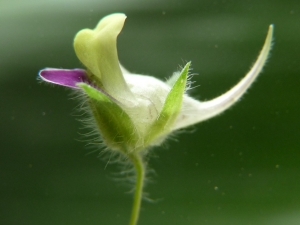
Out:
{"x": 64, "y": 77}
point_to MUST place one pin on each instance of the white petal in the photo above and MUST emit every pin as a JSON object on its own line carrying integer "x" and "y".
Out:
{"x": 150, "y": 94}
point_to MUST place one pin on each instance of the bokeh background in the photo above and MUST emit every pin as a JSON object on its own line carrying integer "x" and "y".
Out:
{"x": 240, "y": 168}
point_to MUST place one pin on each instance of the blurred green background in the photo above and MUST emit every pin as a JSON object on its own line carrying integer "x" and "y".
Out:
{"x": 240, "y": 168}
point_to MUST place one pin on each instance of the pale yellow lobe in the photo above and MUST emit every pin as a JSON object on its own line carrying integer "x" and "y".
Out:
{"x": 97, "y": 50}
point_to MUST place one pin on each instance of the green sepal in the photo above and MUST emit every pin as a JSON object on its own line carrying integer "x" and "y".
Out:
{"x": 172, "y": 106}
{"x": 115, "y": 126}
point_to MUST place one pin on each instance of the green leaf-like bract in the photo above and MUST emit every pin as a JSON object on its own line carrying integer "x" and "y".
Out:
{"x": 171, "y": 108}
{"x": 115, "y": 126}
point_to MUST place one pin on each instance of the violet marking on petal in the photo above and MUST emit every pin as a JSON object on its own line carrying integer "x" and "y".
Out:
{"x": 64, "y": 77}
{"x": 69, "y": 78}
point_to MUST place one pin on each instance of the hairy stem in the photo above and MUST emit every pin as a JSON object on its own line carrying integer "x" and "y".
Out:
{"x": 137, "y": 161}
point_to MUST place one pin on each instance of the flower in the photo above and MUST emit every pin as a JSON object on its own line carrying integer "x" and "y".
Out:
{"x": 133, "y": 111}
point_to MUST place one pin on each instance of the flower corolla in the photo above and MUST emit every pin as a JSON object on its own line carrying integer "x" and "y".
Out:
{"x": 132, "y": 111}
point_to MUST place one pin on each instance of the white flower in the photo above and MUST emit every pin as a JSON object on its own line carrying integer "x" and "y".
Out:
{"x": 135, "y": 111}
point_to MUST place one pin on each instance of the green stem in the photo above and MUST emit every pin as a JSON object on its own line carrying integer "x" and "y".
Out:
{"x": 140, "y": 175}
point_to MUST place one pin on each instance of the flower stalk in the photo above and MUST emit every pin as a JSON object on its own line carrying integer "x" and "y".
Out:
{"x": 139, "y": 166}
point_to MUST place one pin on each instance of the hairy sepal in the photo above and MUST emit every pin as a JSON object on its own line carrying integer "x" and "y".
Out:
{"x": 115, "y": 126}
{"x": 171, "y": 108}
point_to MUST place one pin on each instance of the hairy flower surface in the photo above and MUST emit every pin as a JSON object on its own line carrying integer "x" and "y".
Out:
{"x": 132, "y": 111}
